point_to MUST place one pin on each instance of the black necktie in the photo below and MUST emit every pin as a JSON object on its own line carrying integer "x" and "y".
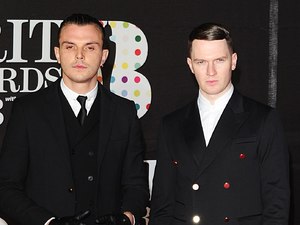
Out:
{"x": 82, "y": 113}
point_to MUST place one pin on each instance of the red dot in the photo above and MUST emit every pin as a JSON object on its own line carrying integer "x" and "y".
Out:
{"x": 137, "y": 52}
{"x": 148, "y": 106}
{"x": 226, "y": 185}
{"x": 242, "y": 156}
{"x": 137, "y": 79}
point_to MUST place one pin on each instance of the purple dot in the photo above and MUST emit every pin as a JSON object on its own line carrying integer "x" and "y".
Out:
{"x": 124, "y": 79}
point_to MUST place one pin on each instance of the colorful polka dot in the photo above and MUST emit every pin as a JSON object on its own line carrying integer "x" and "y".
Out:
{"x": 124, "y": 93}
{"x": 137, "y": 106}
{"x": 124, "y": 79}
{"x": 148, "y": 106}
{"x": 137, "y": 79}
{"x": 137, "y": 65}
{"x": 136, "y": 93}
{"x": 137, "y": 52}
{"x": 125, "y": 65}
{"x": 125, "y": 25}
{"x": 112, "y": 24}
{"x": 138, "y": 38}
{"x": 112, "y": 79}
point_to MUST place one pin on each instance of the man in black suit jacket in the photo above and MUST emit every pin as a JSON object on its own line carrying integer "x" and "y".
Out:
{"x": 55, "y": 170}
{"x": 222, "y": 158}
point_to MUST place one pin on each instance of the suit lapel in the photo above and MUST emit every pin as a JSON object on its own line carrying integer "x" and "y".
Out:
{"x": 193, "y": 133}
{"x": 231, "y": 120}
{"x": 107, "y": 110}
{"x": 53, "y": 113}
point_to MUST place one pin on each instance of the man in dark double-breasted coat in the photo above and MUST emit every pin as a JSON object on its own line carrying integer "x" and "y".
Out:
{"x": 222, "y": 158}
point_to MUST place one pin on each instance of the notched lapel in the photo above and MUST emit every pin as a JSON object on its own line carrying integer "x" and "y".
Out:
{"x": 53, "y": 113}
{"x": 107, "y": 110}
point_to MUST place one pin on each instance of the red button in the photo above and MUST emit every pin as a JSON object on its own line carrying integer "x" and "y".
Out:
{"x": 242, "y": 156}
{"x": 226, "y": 185}
{"x": 226, "y": 219}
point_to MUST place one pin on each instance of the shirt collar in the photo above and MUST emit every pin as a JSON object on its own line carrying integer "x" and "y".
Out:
{"x": 71, "y": 95}
{"x": 220, "y": 103}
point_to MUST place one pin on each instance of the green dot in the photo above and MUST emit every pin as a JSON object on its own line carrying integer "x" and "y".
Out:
{"x": 137, "y": 65}
{"x": 125, "y": 25}
{"x": 138, "y": 38}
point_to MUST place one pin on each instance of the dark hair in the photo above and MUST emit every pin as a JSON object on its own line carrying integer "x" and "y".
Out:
{"x": 81, "y": 19}
{"x": 210, "y": 32}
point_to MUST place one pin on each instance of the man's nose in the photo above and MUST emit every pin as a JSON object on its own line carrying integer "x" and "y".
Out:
{"x": 79, "y": 54}
{"x": 211, "y": 70}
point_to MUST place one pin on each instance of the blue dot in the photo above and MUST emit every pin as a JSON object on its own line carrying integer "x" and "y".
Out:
{"x": 112, "y": 79}
{"x": 124, "y": 93}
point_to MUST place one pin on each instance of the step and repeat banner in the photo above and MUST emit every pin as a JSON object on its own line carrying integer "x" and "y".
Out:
{"x": 147, "y": 61}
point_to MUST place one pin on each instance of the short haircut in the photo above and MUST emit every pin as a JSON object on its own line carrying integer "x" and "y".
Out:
{"x": 81, "y": 19}
{"x": 210, "y": 32}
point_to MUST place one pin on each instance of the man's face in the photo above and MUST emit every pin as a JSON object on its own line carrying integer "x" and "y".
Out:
{"x": 80, "y": 54}
{"x": 212, "y": 63}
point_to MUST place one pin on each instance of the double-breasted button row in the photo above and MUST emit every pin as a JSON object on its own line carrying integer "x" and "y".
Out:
{"x": 242, "y": 156}
{"x": 196, "y": 187}
{"x": 196, "y": 219}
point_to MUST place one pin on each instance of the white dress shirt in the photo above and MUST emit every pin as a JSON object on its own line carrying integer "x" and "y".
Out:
{"x": 211, "y": 113}
{"x": 71, "y": 96}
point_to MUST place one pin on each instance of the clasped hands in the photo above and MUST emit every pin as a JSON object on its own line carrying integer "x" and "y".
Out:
{"x": 110, "y": 219}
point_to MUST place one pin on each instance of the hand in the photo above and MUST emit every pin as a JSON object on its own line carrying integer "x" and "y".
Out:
{"x": 114, "y": 219}
{"x": 71, "y": 220}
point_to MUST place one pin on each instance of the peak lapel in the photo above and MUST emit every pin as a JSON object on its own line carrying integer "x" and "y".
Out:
{"x": 229, "y": 123}
{"x": 193, "y": 133}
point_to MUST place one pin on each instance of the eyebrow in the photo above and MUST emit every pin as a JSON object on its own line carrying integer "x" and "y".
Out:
{"x": 88, "y": 43}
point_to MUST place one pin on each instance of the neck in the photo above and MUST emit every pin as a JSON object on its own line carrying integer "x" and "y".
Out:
{"x": 81, "y": 87}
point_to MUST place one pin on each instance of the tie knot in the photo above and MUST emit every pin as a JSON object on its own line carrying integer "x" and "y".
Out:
{"x": 82, "y": 99}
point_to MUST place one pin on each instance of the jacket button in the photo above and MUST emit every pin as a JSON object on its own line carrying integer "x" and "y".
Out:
{"x": 91, "y": 153}
{"x": 226, "y": 185}
{"x": 226, "y": 219}
{"x": 90, "y": 178}
{"x": 242, "y": 156}
{"x": 195, "y": 187}
{"x": 70, "y": 189}
{"x": 196, "y": 219}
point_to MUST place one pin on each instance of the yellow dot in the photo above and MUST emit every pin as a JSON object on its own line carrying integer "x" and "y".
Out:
{"x": 136, "y": 93}
{"x": 125, "y": 25}
{"x": 125, "y": 65}
{"x": 112, "y": 24}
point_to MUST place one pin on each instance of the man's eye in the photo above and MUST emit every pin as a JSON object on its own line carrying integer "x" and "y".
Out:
{"x": 199, "y": 62}
{"x": 69, "y": 47}
{"x": 220, "y": 60}
{"x": 90, "y": 48}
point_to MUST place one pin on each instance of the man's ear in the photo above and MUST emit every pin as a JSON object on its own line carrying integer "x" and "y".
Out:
{"x": 233, "y": 61}
{"x": 105, "y": 53}
{"x": 57, "y": 55}
{"x": 189, "y": 62}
